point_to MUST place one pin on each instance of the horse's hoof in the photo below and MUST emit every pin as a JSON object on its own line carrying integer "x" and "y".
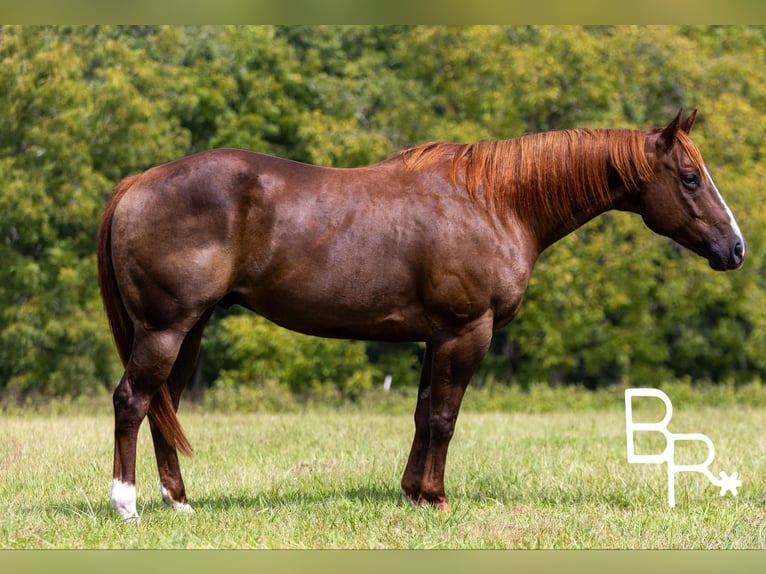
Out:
{"x": 414, "y": 501}
{"x": 176, "y": 505}
{"x": 124, "y": 500}
{"x": 420, "y": 502}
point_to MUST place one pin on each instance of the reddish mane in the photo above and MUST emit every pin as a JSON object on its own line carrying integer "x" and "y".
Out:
{"x": 544, "y": 174}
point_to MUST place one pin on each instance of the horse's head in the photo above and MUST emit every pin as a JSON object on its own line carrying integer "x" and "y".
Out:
{"x": 683, "y": 203}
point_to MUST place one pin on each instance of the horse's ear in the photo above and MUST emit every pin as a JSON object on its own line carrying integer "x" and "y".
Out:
{"x": 686, "y": 125}
{"x": 668, "y": 135}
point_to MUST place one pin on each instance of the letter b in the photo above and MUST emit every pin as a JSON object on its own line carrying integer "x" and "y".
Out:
{"x": 662, "y": 427}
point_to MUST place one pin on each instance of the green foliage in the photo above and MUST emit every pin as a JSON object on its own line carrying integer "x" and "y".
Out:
{"x": 78, "y": 109}
{"x": 249, "y": 350}
{"x": 81, "y": 107}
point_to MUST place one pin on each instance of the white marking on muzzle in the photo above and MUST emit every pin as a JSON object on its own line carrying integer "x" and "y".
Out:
{"x": 732, "y": 221}
{"x": 124, "y": 500}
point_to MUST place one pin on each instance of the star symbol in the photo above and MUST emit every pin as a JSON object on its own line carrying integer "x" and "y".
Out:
{"x": 729, "y": 483}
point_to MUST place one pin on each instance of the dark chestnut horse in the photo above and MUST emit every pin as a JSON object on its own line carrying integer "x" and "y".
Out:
{"x": 435, "y": 244}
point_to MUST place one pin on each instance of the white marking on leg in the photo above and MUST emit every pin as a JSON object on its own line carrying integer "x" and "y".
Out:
{"x": 124, "y": 500}
{"x": 174, "y": 504}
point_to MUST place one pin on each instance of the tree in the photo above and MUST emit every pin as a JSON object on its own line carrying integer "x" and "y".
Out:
{"x": 249, "y": 350}
{"x": 71, "y": 126}
{"x": 81, "y": 107}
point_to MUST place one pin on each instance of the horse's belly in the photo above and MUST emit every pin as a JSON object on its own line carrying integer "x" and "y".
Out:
{"x": 334, "y": 304}
{"x": 339, "y": 321}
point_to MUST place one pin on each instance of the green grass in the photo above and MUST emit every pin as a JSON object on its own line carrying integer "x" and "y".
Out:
{"x": 327, "y": 478}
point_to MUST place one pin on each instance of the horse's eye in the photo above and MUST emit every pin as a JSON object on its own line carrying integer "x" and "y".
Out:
{"x": 691, "y": 181}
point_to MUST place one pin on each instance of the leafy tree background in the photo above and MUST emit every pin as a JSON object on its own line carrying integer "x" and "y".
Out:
{"x": 81, "y": 107}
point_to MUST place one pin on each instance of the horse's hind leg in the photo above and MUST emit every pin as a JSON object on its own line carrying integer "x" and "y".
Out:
{"x": 150, "y": 364}
{"x": 171, "y": 482}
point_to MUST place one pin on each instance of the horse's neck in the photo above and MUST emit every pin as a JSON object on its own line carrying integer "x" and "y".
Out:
{"x": 552, "y": 230}
{"x": 561, "y": 179}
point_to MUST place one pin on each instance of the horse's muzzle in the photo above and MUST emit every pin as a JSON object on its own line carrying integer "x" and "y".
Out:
{"x": 733, "y": 259}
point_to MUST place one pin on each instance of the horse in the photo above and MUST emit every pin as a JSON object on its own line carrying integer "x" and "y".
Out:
{"x": 434, "y": 244}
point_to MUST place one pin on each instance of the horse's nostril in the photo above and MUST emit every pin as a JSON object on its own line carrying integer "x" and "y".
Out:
{"x": 739, "y": 249}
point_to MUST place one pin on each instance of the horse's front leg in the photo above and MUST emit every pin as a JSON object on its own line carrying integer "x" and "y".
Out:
{"x": 413, "y": 472}
{"x": 455, "y": 357}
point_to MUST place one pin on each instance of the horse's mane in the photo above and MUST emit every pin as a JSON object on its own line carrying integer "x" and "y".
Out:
{"x": 543, "y": 175}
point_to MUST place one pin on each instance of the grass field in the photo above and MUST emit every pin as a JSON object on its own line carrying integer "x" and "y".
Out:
{"x": 329, "y": 479}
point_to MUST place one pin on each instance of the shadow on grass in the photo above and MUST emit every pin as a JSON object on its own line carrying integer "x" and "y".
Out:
{"x": 372, "y": 496}
{"x": 378, "y": 494}
{"x": 367, "y": 495}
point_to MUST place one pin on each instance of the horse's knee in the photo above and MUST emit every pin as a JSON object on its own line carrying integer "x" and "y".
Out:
{"x": 442, "y": 426}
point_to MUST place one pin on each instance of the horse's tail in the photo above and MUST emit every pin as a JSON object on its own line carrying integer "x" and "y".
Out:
{"x": 161, "y": 410}
{"x": 119, "y": 321}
